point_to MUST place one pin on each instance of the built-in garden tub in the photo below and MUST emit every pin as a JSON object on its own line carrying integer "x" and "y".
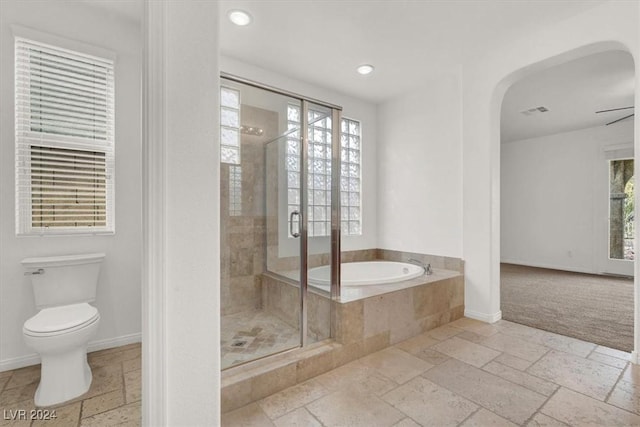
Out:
{"x": 366, "y": 273}
{"x": 381, "y": 303}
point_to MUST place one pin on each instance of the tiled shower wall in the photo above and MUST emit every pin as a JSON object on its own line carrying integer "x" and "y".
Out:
{"x": 243, "y": 223}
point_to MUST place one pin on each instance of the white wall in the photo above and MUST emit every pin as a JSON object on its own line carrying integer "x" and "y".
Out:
{"x": 612, "y": 25}
{"x": 118, "y": 298}
{"x": 419, "y": 170}
{"x": 554, "y": 198}
{"x": 191, "y": 215}
{"x": 353, "y": 108}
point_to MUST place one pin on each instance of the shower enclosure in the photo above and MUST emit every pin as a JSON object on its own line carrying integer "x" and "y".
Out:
{"x": 280, "y": 216}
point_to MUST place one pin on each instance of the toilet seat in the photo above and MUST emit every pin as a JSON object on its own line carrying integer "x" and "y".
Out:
{"x": 61, "y": 320}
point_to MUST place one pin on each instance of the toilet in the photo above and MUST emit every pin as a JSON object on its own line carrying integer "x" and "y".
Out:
{"x": 63, "y": 287}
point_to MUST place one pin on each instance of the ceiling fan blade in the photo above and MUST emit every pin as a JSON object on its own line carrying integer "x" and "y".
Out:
{"x": 616, "y": 121}
{"x": 614, "y": 109}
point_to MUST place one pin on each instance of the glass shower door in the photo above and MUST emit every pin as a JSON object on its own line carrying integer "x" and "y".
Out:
{"x": 277, "y": 213}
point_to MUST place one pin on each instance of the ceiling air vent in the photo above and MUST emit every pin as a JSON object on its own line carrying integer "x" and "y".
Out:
{"x": 534, "y": 111}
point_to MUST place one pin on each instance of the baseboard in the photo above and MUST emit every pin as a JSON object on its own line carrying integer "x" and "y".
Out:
{"x": 483, "y": 317}
{"x": 19, "y": 362}
{"x": 547, "y": 266}
{"x": 34, "y": 359}
{"x": 634, "y": 357}
{"x": 114, "y": 342}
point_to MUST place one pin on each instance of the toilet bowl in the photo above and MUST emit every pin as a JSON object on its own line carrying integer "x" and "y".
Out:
{"x": 61, "y": 330}
{"x": 60, "y": 335}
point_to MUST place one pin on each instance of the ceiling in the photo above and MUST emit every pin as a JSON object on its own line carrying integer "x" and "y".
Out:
{"x": 572, "y": 92}
{"x": 410, "y": 41}
{"x": 323, "y": 41}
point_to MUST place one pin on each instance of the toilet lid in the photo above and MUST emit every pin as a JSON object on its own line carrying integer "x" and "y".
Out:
{"x": 57, "y": 319}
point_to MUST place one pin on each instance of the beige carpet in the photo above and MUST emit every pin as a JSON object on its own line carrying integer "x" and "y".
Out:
{"x": 593, "y": 308}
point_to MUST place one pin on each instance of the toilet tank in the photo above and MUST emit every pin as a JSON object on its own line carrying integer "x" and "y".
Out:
{"x": 62, "y": 280}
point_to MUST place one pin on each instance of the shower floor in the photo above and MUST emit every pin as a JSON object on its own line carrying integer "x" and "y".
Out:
{"x": 247, "y": 336}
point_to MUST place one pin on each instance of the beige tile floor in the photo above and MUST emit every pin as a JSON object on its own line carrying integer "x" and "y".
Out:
{"x": 466, "y": 373}
{"x": 112, "y": 400}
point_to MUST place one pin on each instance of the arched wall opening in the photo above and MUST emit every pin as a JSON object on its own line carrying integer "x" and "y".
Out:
{"x": 611, "y": 25}
{"x": 497, "y": 98}
{"x": 555, "y": 170}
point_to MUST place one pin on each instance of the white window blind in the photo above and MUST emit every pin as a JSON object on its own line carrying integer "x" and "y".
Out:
{"x": 64, "y": 111}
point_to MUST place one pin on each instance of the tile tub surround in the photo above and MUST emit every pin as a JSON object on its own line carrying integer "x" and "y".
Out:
{"x": 441, "y": 377}
{"x": 363, "y": 326}
{"x": 114, "y": 397}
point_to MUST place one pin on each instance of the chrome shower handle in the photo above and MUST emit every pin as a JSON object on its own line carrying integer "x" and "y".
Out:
{"x": 31, "y": 273}
{"x": 295, "y": 235}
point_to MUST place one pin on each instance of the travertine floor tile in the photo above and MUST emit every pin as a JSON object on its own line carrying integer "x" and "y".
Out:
{"x": 471, "y": 336}
{"x": 632, "y": 374}
{"x": 11, "y": 415}
{"x": 102, "y": 403}
{"x": 276, "y": 405}
{"x": 105, "y": 379}
{"x": 484, "y": 418}
{"x": 133, "y": 386}
{"x": 542, "y": 420}
{"x": 515, "y": 376}
{"x": 418, "y": 343}
{"x": 513, "y": 361}
{"x": 476, "y": 326}
{"x": 67, "y": 415}
{"x": 608, "y": 360}
{"x": 127, "y": 413}
{"x": 18, "y": 394}
{"x": 586, "y": 376}
{"x": 503, "y": 397}
{"x": 429, "y": 404}
{"x": 396, "y": 364}
{"x": 613, "y": 352}
{"x": 24, "y": 376}
{"x": 566, "y": 344}
{"x": 106, "y": 394}
{"x": 298, "y": 418}
{"x": 3, "y": 381}
{"x": 626, "y": 395}
{"x": 358, "y": 377}
{"x": 247, "y": 416}
{"x": 132, "y": 365}
{"x": 407, "y": 422}
{"x": 465, "y": 351}
{"x": 432, "y": 356}
{"x": 344, "y": 408}
{"x": 444, "y": 332}
{"x": 515, "y": 346}
{"x": 579, "y": 410}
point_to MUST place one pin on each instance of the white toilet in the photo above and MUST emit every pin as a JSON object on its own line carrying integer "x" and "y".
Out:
{"x": 63, "y": 286}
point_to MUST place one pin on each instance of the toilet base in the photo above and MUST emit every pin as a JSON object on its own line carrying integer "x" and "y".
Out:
{"x": 64, "y": 376}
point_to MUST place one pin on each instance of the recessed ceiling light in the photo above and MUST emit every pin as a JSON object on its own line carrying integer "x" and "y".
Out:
{"x": 239, "y": 17}
{"x": 365, "y": 69}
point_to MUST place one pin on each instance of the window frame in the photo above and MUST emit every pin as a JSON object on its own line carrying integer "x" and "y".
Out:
{"x": 26, "y": 138}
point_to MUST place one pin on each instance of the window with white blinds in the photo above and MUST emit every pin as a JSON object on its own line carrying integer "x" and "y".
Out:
{"x": 64, "y": 140}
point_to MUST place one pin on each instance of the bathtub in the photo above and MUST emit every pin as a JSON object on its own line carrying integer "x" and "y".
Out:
{"x": 366, "y": 273}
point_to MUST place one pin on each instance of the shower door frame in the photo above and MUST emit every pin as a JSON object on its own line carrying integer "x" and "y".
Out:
{"x": 336, "y": 124}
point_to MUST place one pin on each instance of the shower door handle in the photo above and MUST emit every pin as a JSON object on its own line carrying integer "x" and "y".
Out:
{"x": 294, "y": 213}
